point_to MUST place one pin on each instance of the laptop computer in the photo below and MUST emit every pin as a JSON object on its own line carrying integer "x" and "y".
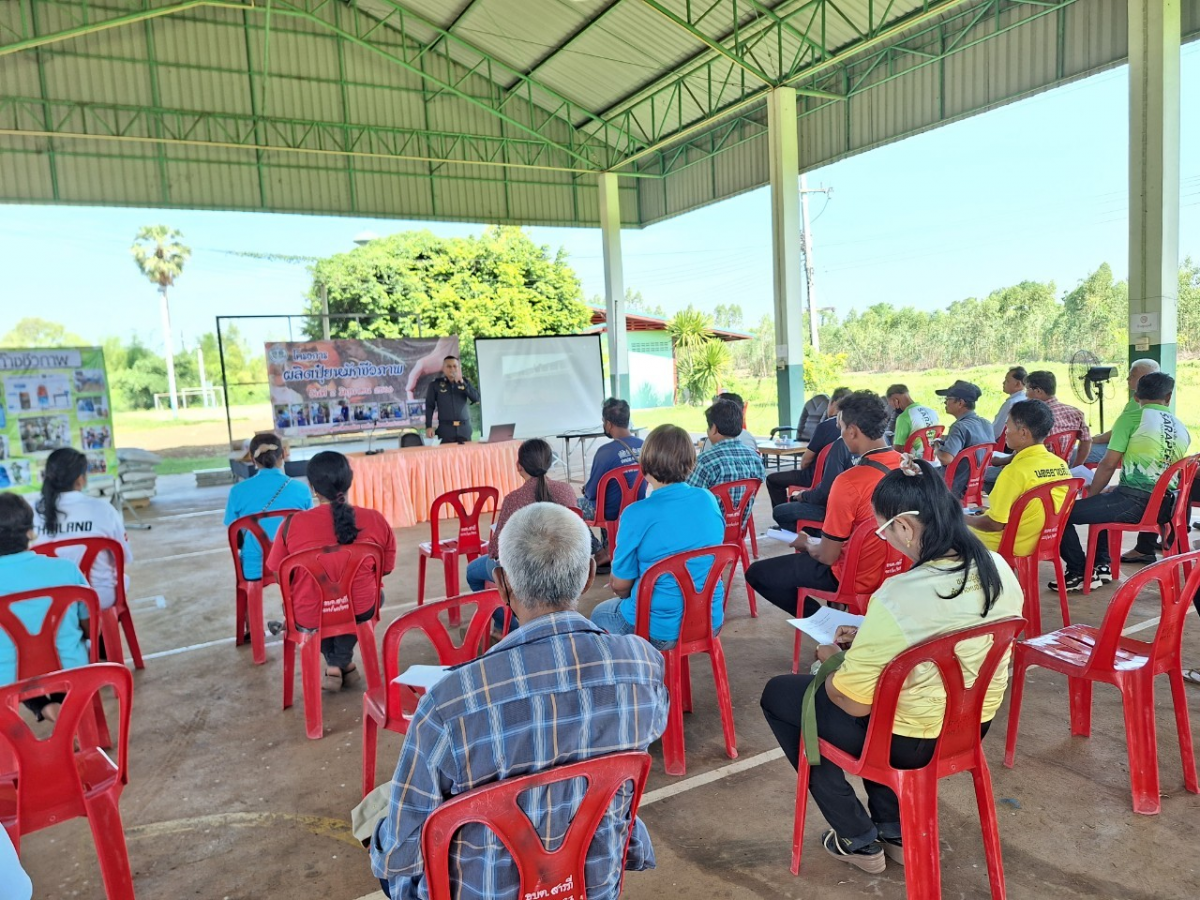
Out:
{"x": 498, "y": 434}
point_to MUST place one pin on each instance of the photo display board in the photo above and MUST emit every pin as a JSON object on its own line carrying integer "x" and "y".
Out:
{"x": 350, "y": 385}
{"x": 53, "y": 398}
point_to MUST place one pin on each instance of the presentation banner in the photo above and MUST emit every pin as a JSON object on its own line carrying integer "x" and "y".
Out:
{"x": 342, "y": 386}
{"x": 53, "y": 398}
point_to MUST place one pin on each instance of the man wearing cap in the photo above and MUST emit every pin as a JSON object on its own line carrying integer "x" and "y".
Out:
{"x": 968, "y": 430}
{"x": 449, "y": 395}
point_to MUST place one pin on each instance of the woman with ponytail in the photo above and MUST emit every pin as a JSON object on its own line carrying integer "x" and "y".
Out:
{"x": 534, "y": 459}
{"x": 333, "y": 521}
{"x": 954, "y": 582}
{"x": 65, "y": 511}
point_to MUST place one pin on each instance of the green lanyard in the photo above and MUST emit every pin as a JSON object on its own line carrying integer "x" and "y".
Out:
{"x": 808, "y": 708}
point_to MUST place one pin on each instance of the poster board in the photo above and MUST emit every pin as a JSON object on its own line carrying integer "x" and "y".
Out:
{"x": 352, "y": 385}
{"x": 52, "y": 398}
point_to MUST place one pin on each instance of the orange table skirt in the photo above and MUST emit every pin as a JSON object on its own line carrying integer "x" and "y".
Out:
{"x": 402, "y": 484}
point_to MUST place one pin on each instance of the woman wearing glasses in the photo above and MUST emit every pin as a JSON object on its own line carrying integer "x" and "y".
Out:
{"x": 954, "y": 582}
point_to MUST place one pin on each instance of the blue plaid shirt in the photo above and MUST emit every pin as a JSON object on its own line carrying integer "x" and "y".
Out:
{"x": 727, "y": 460}
{"x": 555, "y": 691}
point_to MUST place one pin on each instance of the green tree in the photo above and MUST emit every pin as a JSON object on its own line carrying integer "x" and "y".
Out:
{"x": 499, "y": 283}
{"x": 728, "y": 316}
{"x": 160, "y": 256}
{"x": 1189, "y": 309}
{"x": 35, "y": 332}
{"x": 702, "y": 370}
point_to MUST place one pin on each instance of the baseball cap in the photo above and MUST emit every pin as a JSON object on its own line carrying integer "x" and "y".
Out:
{"x": 961, "y": 390}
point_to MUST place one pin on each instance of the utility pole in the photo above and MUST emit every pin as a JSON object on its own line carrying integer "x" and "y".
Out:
{"x": 809, "y": 269}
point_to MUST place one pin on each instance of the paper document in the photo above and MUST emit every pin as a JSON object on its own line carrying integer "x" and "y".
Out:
{"x": 822, "y": 626}
{"x": 421, "y": 676}
{"x": 778, "y": 534}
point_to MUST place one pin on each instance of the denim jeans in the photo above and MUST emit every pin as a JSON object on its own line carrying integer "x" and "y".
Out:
{"x": 607, "y": 615}
{"x": 479, "y": 571}
{"x": 1120, "y": 505}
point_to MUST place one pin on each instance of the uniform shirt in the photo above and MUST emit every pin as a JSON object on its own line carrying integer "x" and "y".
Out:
{"x": 29, "y": 571}
{"x": 449, "y": 399}
{"x": 314, "y": 528}
{"x": 555, "y": 691}
{"x": 728, "y": 460}
{"x": 1001, "y": 421}
{"x": 837, "y": 461}
{"x": 968, "y": 431}
{"x": 268, "y": 489}
{"x": 849, "y": 507}
{"x": 914, "y": 418}
{"x": 672, "y": 519}
{"x": 526, "y": 494}
{"x": 617, "y": 452}
{"x": 82, "y": 516}
{"x": 1151, "y": 442}
{"x": 1068, "y": 418}
{"x": 1033, "y": 466}
{"x": 909, "y": 608}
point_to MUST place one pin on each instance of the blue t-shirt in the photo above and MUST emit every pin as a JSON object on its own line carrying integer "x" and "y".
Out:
{"x": 29, "y": 571}
{"x": 616, "y": 453}
{"x": 254, "y": 495}
{"x": 672, "y": 519}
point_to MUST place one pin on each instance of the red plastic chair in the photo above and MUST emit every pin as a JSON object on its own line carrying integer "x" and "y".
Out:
{"x": 117, "y": 617}
{"x": 53, "y": 780}
{"x": 1178, "y": 542}
{"x": 1001, "y": 442}
{"x": 554, "y": 874}
{"x": 959, "y": 749}
{"x": 37, "y": 654}
{"x": 249, "y": 597}
{"x": 926, "y": 436}
{"x": 739, "y": 522}
{"x": 695, "y": 636}
{"x": 1046, "y": 549}
{"x": 630, "y": 490}
{"x": 391, "y": 705}
{"x": 468, "y": 505}
{"x": 893, "y": 562}
{"x": 337, "y": 618}
{"x": 977, "y": 458}
{"x": 1087, "y": 654}
{"x": 818, "y": 472}
{"x": 1061, "y": 444}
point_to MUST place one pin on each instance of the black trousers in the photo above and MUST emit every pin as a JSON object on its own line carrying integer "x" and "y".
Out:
{"x": 779, "y": 482}
{"x": 777, "y": 580}
{"x": 788, "y": 514}
{"x": 781, "y": 702}
{"x": 339, "y": 650}
{"x": 1120, "y": 505}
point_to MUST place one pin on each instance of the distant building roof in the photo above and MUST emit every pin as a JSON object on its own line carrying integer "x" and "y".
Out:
{"x": 639, "y": 322}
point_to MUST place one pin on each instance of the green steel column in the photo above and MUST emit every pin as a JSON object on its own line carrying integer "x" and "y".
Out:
{"x": 614, "y": 286}
{"x": 785, "y": 231}
{"x": 1154, "y": 28}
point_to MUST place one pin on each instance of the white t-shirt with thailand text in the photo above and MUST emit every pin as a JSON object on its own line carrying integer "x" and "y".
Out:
{"x": 82, "y": 516}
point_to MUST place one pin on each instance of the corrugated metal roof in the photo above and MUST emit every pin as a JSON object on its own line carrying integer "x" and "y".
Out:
{"x": 496, "y": 110}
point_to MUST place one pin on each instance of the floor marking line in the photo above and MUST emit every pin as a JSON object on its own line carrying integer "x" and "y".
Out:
{"x": 1142, "y": 626}
{"x": 320, "y": 826}
{"x": 191, "y": 555}
{"x": 696, "y": 781}
{"x": 195, "y": 514}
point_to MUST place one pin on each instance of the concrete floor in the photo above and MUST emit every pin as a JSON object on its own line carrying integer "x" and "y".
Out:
{"x": 227, "y": 799}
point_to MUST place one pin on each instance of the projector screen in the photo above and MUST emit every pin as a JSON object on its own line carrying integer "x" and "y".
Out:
{"x": 542, "y": 385}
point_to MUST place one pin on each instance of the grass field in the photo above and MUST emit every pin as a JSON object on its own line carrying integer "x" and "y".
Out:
{"x": 198, "y": 439}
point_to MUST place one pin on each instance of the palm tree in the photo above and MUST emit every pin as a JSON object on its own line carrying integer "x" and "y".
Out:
{"x": 160, "y": 257}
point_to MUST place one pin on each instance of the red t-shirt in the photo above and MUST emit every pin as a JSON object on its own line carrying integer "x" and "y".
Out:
{"x": 314, "y": 528}
{"x": 849, "y": 507}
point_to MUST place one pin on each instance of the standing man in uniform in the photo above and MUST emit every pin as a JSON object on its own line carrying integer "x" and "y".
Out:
{"x": 449, "y": 395}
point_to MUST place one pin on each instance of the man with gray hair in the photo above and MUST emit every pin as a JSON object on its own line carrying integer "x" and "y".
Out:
{"x": 555, "y": 691}
{"x": 1137, "y": 369}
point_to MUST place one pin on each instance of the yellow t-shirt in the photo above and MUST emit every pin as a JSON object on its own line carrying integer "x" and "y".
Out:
{"x": 906, "y": 610}
{"x": 1029, "y": 468}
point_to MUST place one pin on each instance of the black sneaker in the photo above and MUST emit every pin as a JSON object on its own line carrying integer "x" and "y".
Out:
{"x": 1075, "y": 582}
{"x": 1104, "y": 573}
{"x": 869, "y": 858}
{"x": 276, "y": 627}
{"x": 893, "y": 849}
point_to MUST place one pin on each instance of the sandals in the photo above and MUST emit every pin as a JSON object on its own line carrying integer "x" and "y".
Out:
{"x": 1191, "y": 675}
{"x": 1136, "y": 558}
{"x": 350, "y": 676}
{"x": 331, "y": 683}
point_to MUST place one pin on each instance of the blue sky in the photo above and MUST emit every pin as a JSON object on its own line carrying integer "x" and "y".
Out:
{"x": 1035, "y": 190}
